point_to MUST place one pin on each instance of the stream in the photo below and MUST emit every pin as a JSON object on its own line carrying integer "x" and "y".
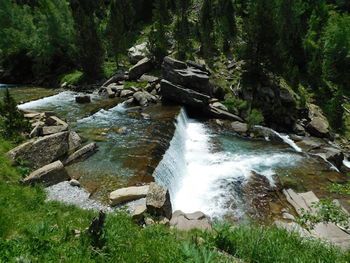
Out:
{"x": 206, "y": 169}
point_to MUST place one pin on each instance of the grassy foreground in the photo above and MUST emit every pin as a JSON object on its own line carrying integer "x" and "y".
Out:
{"x": 32, "y": 230}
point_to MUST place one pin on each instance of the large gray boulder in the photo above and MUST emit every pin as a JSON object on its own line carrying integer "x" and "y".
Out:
{"x": 183, "y": 95}
{"x": 143, "y": 66}
{"x": 74, "y": 141}
{"x": 158, "y": 201}
{"x": 144, "y": 98}
{"x": 128, "y": 194}
{"x": 319, "y": 125}
{"x": 48, "y": 130}
{"x": 331, "y": 154}
{"x": 48, "y": 175}
{"x": 239, "y": 127}
{"x": 42, "y": 151}
{"x": 179, "y": 73}
{"x": 187, "y": 222}
{"x": 84, "y": 152}
{"x": 138, "y": 52}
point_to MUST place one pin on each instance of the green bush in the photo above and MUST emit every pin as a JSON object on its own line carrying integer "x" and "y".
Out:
{"x": 73, "y": 78}
{"x": 235, "y": 105}
{"x": 255, "y": 117}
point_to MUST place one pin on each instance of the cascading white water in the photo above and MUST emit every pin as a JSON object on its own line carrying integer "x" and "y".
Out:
{"x": 61, "y": 98}
{"x": 201, "y": 179}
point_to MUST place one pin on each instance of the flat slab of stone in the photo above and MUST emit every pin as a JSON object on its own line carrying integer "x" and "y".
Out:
{"x": 187, "y": 222}
{"x": 84, "y": 152}
{"x": 42, "y": 151}
{"x": 48, "y": 175}
{"x": 330, "y": 231}
{"x": 48, "y": 130}
{"x": 143, "y": 66}
{"x": 128, "y": 194}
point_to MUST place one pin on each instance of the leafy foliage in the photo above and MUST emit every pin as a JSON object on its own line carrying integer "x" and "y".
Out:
{"x": 326, "y": 211}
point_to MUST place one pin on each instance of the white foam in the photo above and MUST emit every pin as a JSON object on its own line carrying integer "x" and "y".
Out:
{"x": 346, "y": 162}
{"x": 104, "y": 116}
{"x": 200, "y": 179}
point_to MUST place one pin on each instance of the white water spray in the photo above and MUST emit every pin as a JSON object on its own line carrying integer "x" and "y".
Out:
{"x": 200, "y": 179}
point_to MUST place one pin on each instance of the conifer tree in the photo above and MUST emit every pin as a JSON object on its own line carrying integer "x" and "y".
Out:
{"x": 226, "y": 23}
{"x": 157, "y": 37}
{"x": 206, "y": 27}
{"x": 182, "y": 32}
{"x": 90, "y": 51}
{"x": 12, "y": 122}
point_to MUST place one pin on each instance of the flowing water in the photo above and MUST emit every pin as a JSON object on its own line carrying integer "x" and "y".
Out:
{"x": 213, "y": 171}
{"x": 130, "y": 147}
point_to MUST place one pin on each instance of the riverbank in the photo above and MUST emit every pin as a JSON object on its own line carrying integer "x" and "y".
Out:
{"x": 60, "y": 235}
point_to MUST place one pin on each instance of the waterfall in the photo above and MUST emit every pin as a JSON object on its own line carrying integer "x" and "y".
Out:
{"x": 201, "y": 178}
{"x": 284, "y": 137}
{"x": 346, "y": 162}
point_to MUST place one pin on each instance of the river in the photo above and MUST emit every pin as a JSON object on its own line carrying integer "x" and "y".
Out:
{"x": 205, "y": 169}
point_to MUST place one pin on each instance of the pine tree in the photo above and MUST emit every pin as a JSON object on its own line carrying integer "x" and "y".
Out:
{"x": 206, "y": 28}
{"x": 182, "y": 31}
{"x": 226, "y": 23}
{"x": 12, "y": 121}
{"x": 157, "y": 37}
{"x": 90, "y": 51}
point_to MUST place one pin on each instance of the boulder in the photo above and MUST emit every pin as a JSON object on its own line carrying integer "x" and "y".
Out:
{"x": 128, "y": 194}
{"x": 183, "y": 96}
{"x": 143, "y": 66}
{"x": 239, "y": 127}
{"x": 331, "y": 154}
{"x": 74, "y": 183}
{"x": 158, "y": 201}
{"x": 219, "y": 105}
{"x": 84, "y": 152}
{"x": 42, "y": 151}
{"x": 222, "y": 114}
{"x": 55, "y": 121}
{"x": 149, "y": 78}
{"x": 74, "y": 141}
{"x": 143, "y": 98}
{"x": 118, "y": 76}
{"x": 199, "y": 66}
{"x": 139, "y": 213}
{"x": 48, "y": 175}
{"x": 126, "y": 93}
{"x": 187, "y": 222}
{"x": 110, "y": 92}
{"x": 319, "y": 125}
{"x": 83, "y": 99}
{"x": 138, "y": 52}
{"x": 47, "y": 130}
{"x": 178, "y": 73}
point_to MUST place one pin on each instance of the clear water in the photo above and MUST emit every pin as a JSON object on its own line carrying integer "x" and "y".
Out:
{"x": 209, "y": 171}
{"x": 129, "y": 147}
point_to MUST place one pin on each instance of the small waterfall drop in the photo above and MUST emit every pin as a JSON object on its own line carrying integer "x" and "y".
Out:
{"x": 201, "y": 178}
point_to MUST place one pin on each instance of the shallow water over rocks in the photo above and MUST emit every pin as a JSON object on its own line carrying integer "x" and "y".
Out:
{"x": 214, "y": 171}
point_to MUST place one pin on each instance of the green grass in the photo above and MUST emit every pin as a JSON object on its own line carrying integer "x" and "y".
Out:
{"x": 73, "y": 78}
{"x": 273, "y": 245}
{"x": 33, "y": 230}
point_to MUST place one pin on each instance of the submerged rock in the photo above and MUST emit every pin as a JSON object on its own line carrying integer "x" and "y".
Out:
{"x": 84, "y": 152}
{"x": 48, "y": 175}
{"x": 83, "y": 99}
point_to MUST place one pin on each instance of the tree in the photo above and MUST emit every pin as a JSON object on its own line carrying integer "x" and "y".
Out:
{"x": 206, "y": 27}
{"x": 90, "y": 51}
{"x": 259, "y": 36}
{"x": 226, "y": 23}
{"x": 12, "y": 122}
{"x": 157, "y": 37}
{"x": 120, "y": 12}
{"x": 182, "y": 32}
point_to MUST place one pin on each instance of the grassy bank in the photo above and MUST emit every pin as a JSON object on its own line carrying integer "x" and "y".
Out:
{"x": 32, "y": 230}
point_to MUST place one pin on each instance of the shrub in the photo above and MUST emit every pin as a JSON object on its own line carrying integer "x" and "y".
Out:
{"x": 255, "y": 117}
